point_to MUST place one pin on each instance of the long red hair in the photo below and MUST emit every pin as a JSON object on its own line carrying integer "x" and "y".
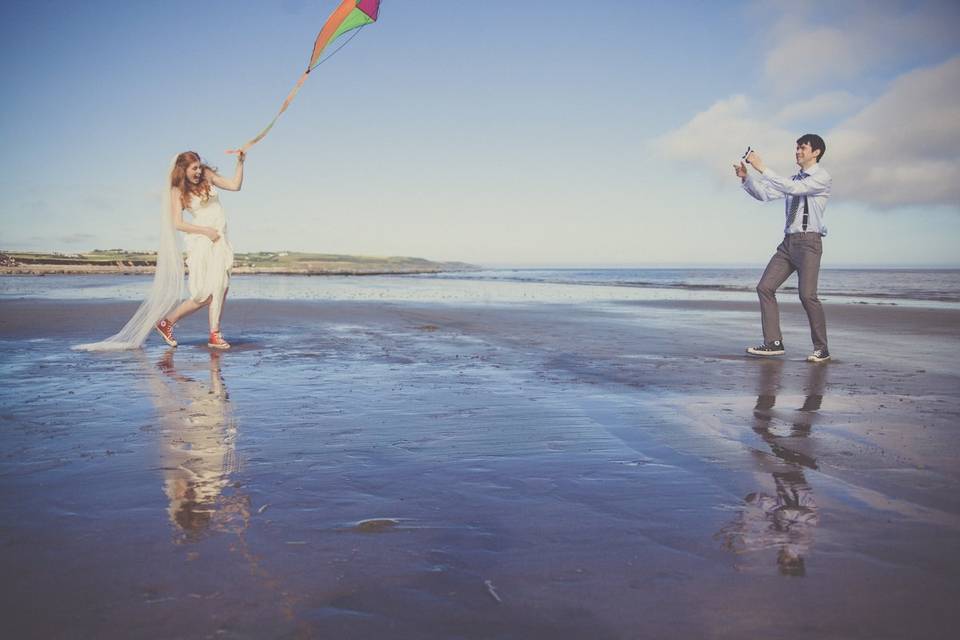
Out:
{"x": 178, "y": 178}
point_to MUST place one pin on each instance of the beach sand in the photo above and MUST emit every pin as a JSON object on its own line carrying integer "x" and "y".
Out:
{"x": 410, "y": 470}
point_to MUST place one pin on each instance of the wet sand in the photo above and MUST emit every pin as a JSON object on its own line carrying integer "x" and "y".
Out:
{"x": 406, "y": 470}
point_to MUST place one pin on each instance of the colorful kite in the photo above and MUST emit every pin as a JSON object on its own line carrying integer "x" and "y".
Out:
{"x": 350, "y": 15}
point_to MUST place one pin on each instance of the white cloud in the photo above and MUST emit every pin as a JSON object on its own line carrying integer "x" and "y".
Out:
{"x": 898, "y": 147}
{"x": 832, "y": 103}
{"x": 808, "y": 57}
{"x": 718, "y": 136}
{"x": 813, "y": 45}
{"x": 904, "y": 148}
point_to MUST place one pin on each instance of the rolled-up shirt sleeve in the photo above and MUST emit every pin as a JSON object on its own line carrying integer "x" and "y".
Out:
{"x": 759, "y": 189}
{"x": 813, "y": 185}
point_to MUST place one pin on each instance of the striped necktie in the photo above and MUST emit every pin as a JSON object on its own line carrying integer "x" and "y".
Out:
{"x": 795, "y": 206}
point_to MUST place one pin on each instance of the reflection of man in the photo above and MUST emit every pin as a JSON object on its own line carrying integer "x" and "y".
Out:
{"x": 806, "y": 195}
{"x": 198, "y": 452}
{"x": 786, "y": 519}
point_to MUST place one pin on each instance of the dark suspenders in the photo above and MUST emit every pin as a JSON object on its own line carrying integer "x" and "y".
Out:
{"x": 806, "y": 207}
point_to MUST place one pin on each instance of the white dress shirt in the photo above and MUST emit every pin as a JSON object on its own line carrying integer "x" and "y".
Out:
{"x": 813, "y": 183}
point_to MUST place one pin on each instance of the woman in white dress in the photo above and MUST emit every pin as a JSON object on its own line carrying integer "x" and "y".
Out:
{"x": 193, "y": 188}
{"x": 189, "y": 185}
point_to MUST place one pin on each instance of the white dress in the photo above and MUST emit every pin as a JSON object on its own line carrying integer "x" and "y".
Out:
{"x": 208, "y": 262}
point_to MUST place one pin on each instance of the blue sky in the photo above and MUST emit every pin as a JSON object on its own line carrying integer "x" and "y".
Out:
{"x": 496, "y": 132}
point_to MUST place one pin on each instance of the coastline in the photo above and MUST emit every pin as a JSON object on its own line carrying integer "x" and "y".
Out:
{"x": 121, "y": 262}
{"x": 125, "y": 270}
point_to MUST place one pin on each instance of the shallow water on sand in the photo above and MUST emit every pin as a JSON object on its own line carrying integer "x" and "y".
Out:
{"x": 425, "y": 289}
{"x": 428, "y": 471}
{"x": 937, "y": 288}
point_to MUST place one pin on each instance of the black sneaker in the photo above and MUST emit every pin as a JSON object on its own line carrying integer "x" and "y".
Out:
{"x": 774, "y": 348}
{"x": 820, "y": 355}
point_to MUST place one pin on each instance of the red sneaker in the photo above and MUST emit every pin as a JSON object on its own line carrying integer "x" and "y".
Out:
{"x": 165, "y": 329}
{"x": 217, "y": 342}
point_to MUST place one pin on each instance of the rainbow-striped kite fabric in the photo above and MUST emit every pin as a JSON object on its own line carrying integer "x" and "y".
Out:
{"x": 349, "y": 15}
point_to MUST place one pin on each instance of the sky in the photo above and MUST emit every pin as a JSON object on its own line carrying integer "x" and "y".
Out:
{"x": 497, "y": 132}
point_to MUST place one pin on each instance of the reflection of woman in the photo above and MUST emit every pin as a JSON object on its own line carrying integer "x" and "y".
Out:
{"x": 198, "y": 450}
{"x": 189, "y": 184}
{"x": 784, "y": 520}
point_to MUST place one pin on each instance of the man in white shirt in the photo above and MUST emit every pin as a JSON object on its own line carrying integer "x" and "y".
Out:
{"x": 806, "y": 195}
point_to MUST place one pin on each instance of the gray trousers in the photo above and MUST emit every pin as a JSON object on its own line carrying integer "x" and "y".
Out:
{"x": 798, "y": 252}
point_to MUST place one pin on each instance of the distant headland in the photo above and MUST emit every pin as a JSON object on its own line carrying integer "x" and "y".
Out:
{"x": 118, "y": 261}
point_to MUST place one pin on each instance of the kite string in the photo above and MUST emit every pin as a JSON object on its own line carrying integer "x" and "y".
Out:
{"x": 289, "y": 99}
{"x": 332, "y": 53}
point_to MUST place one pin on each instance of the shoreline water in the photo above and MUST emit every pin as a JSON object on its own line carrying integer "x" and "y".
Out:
{"x": 924, "y": 288}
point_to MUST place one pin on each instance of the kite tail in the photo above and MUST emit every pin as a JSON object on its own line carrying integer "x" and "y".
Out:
{"x": 286, "y": 103}
{"x": 350, "y": 15}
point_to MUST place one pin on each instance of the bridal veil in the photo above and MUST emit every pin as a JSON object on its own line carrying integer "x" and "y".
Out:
{"x": 166, "y": 291}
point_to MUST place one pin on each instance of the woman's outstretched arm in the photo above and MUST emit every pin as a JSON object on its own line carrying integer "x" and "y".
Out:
{"x": 224, "y": 183}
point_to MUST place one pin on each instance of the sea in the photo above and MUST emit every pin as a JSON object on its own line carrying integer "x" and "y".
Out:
{"x": 908, "y": 287}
